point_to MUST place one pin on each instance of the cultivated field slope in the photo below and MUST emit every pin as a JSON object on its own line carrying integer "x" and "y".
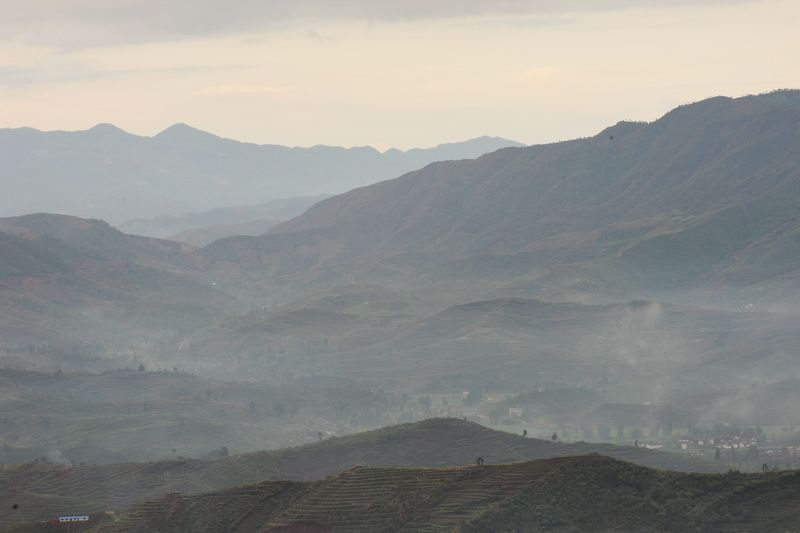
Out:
{"x": 583, "y": 493}
{"x": 44, "y": 491}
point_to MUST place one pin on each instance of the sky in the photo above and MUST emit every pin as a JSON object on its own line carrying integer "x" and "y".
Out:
{"x": 384, "y": 73}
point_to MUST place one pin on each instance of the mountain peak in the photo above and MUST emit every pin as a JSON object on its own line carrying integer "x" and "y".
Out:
{"x": 484, "y": 141}
{"x": 106, "y": 129}
{"x": 183, "y": 132}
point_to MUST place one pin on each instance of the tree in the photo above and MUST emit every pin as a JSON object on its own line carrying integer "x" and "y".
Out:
{"x": 141, "y": 367}
{"x": 554, "y": 437}
{"x": 524, "y": 432}
{"x": 717, "y": 454}
{"x": 667, "y": 427}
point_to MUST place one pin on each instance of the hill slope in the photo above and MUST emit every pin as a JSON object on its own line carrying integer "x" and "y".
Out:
{"x": 587, "y": 493}
{"x": 434, "y": 443}
{"x": 69, "y": 285}
{"x": 705, "y": 196}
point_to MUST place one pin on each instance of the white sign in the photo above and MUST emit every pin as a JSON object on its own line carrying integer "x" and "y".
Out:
{"x": 66, "y": 519}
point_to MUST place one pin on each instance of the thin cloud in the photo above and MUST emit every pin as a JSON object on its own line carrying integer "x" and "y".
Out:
{"x": 70, "y": 23}
{"x": 68, "y": 72}
{"x": 243, "y": 89}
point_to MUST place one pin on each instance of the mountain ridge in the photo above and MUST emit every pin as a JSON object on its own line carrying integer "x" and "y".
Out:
{"x": 578, "y": 205}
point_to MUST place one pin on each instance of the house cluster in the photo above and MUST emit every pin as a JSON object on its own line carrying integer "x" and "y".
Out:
{"x": 787, "y": 452}
{"x": 648, "y": 445}
{"x": 730, "y": 443}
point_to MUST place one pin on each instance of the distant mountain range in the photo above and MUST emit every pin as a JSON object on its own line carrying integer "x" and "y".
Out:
{"x": 200, "y": 229}
{"x": 206, "y": 235}
{"x": 700, "y": 206}
{"x": 108, "y": 173}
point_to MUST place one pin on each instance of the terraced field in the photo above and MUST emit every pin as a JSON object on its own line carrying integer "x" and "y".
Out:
{"x": 584, "y": 493}
{"x": 42, "y": 492}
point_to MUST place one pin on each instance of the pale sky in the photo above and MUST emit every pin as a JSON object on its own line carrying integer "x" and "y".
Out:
{"x": 371, "y": 72}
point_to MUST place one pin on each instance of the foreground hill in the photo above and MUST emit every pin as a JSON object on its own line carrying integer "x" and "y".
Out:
{"x": 705, "y": 197}
{"x": 69, "y": 285}
{"x": 587, "y": 493}
{"x": 44, "y": 491}
{"x": 107, "y": 173}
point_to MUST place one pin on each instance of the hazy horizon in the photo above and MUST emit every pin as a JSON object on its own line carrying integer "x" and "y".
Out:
{"x": 248, "y": 141}
{"x": 385, "y": 74}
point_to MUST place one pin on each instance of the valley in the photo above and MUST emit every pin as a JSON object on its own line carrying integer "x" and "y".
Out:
{"x": 612, "y": 311}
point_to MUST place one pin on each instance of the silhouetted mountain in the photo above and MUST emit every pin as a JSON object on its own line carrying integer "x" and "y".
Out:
{"x": 107, "y": 173}
{"x": 702, "y": 202}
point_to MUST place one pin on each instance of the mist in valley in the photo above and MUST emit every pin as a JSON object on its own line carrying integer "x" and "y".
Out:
{"x": 266, "y": 323}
